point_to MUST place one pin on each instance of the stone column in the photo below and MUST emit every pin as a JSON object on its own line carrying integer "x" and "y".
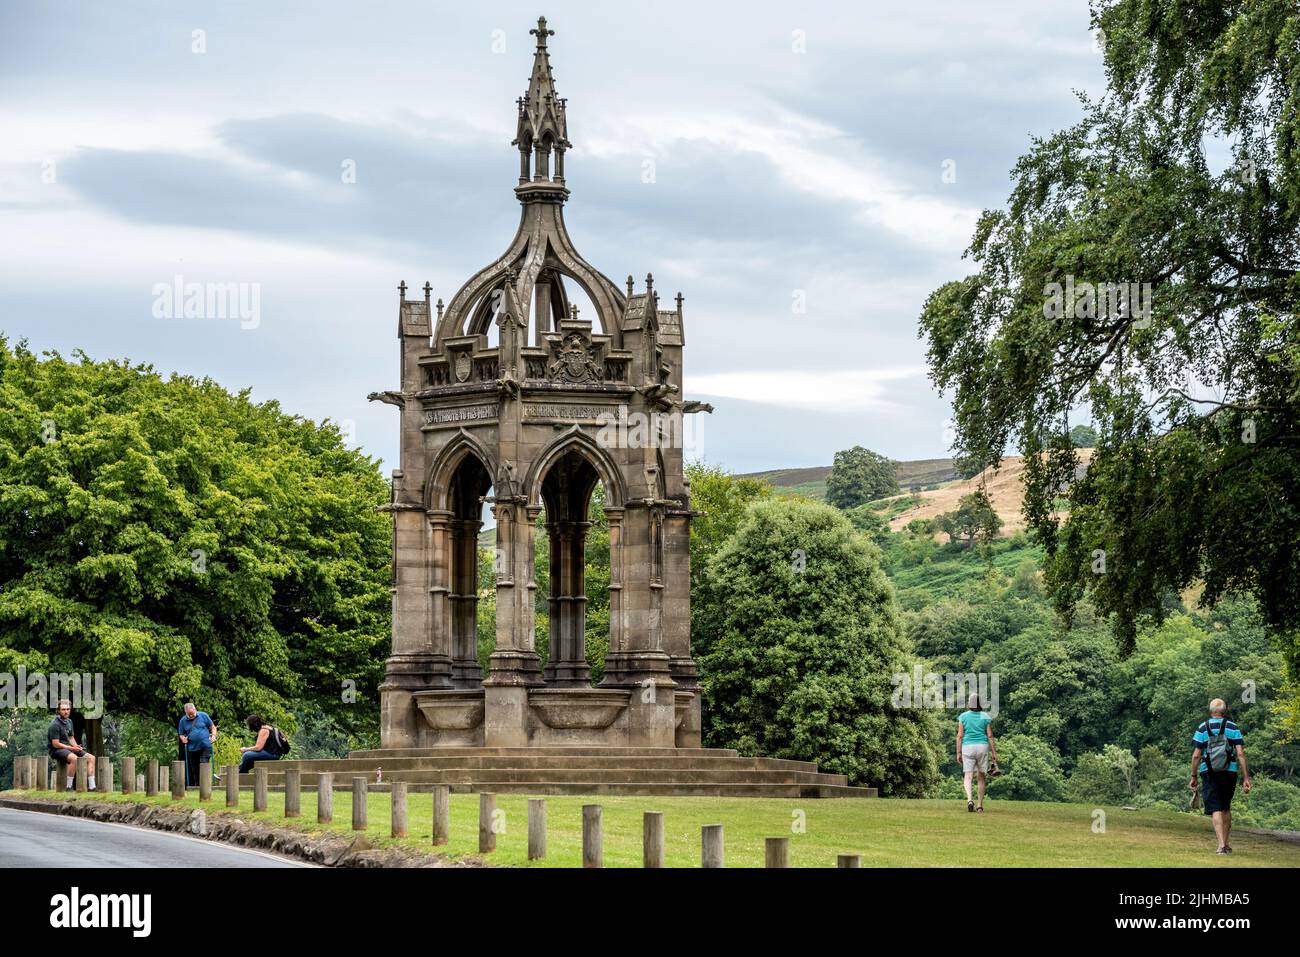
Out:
{"x": 677, "y": 622}
{"x": 514, "y": 666}
{"x": 411, "y": 663}
{"x": 640, "y": 663}
{"x": 465, "y": 669}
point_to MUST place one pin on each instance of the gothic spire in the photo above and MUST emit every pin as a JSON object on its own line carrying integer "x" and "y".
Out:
{"x": 542, "y": 128}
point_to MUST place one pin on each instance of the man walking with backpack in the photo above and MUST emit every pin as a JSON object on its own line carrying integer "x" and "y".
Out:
{"x": 1218, "y": 753}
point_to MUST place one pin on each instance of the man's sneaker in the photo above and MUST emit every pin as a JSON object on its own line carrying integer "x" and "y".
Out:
{"x": 1222, "y": 850}
{"x": 1227, "y": 849}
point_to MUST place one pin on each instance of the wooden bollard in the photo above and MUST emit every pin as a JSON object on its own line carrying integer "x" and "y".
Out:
{"x": 151, "y": 778}
{"x": 178, "y": 780}
{"x": 60, "y": 777}
{"x": 261, "y": 782}
{"x": 104, "y": 769}
{"x": 231, "y": 773}
{"x": 21, "y": 765}
{"x": 776, "y": 852}
{"x": 292, "y": 793}
{"x": 441, "y": 814}
{"x": 397, "y": 818}
{"x": 593, "y": 836}
{"x": 848, "y": 860}
{"x": 652, "y": 839}
{"x": 536, "y": 828}
{"x": 83, "y": 774}
{"x": 325, "y": 797}
{"x": 359, "y": 792}
{"x": 164, "y": 779}
{"x": 487, "y": 812}
{"x": 205, "y": 781}
{"x": 711, "y": 851}
{"x": 128, "y": 775}
{"x": 43, "y": 772}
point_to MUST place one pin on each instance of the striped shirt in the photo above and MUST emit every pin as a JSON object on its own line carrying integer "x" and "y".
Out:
{"x": 1202, "y": 737}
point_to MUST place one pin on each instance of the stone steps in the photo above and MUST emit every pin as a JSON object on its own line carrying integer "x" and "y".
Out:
{"x": 489, "y": 779}
{"x": 543, "y": 762}
{"x": 578, "y": 787}
{"x": 585, "y": 751}
{"x": 701, "y": 772}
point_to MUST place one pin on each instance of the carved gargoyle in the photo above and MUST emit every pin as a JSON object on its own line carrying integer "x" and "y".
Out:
{"x": 508, "y": 387}
{"x": 389, "y": 397}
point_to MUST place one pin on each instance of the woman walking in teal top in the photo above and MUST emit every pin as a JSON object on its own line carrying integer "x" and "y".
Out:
{"x": 975, "y": 748}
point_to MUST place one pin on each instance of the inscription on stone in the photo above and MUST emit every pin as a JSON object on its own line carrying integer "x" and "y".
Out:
{"x": 460, "y": 414}
{"x": 554, "y": 410}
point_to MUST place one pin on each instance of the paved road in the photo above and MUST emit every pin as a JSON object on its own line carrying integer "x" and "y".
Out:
{"x": 32, "y": 839}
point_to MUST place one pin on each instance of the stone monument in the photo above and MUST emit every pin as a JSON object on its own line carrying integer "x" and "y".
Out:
{"x": 510, "y": 398}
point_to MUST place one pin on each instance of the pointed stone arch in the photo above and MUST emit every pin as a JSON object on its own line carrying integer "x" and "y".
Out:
{"x": 571, "y": 439}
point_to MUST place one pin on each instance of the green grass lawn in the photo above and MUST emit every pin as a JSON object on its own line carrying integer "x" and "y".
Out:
{"x": 885, "y": 832}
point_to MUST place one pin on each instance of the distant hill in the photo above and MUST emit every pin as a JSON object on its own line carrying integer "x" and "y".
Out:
{"x": 1004, "y": 488}
{"x": 811, "y": 482}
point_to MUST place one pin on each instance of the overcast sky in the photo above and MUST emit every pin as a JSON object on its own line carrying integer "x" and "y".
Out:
{"x": 798, "y": 150}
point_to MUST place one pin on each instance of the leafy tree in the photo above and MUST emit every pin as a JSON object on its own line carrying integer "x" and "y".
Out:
{"x": 806, "y": 642}
{"x": 1187, "y": 483}
{"x": 184, "y": 541}
{"x": 720, "y": 500}
{"x": 1109, "y": 777}
{"x": 1031, "y": 770}
{"x": 1083, "y": 436}
{"x": 975, "y": 519}
{"x": 858, "y": 476}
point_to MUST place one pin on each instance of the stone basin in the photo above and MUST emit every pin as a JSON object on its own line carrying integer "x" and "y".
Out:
{"x": 587, "y": 708}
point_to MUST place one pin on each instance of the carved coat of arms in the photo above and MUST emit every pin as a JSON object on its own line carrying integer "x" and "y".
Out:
{"x": 575, "y": 362}
{"x": 462, "y": 367}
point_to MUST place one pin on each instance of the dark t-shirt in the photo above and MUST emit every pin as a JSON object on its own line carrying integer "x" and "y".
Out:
{"x": 60, "y": 730}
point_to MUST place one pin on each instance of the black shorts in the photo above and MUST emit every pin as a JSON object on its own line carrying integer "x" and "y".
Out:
{"x": 1217, "y": 788}
{"x": 61, "y": 755}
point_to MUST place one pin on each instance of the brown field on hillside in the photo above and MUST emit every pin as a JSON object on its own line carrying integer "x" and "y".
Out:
{"x": 1004, "y": 487}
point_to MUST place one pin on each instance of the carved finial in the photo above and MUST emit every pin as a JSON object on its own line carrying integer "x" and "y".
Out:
{"x": 573, "y": 312}
{"x": 541, "y": 33}
{"x": 401, "y": 288}
{"x": 649, "y": 282}
{"x": 631, "y": 285}
{"x": 679, "y": 298}
{"x": 427, "y": 290}
{"x": 439, "y": 309}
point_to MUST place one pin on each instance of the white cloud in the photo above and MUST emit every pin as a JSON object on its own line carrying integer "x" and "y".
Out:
{"x": 848, "y": 390}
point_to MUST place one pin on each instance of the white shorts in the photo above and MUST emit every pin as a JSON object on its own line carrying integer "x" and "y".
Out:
{"x": 975, "y": 757}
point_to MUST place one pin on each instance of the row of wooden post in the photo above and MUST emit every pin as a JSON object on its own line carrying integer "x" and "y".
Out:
{"x": 28, "y": 771}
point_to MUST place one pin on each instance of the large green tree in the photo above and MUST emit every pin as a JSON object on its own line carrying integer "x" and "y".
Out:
{"x": 1185, "y": 176}
{"x": 805, "y": 641}
{"x": 858, "y": 476}
{"x": 187, "y": 542}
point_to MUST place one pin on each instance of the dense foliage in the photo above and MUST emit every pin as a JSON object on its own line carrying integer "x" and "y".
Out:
{"x": 1184, "y": 179}
{"x": 802, "y": 640}
{"x": 859, "y": 475}
{"x": 187, "y": 542}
